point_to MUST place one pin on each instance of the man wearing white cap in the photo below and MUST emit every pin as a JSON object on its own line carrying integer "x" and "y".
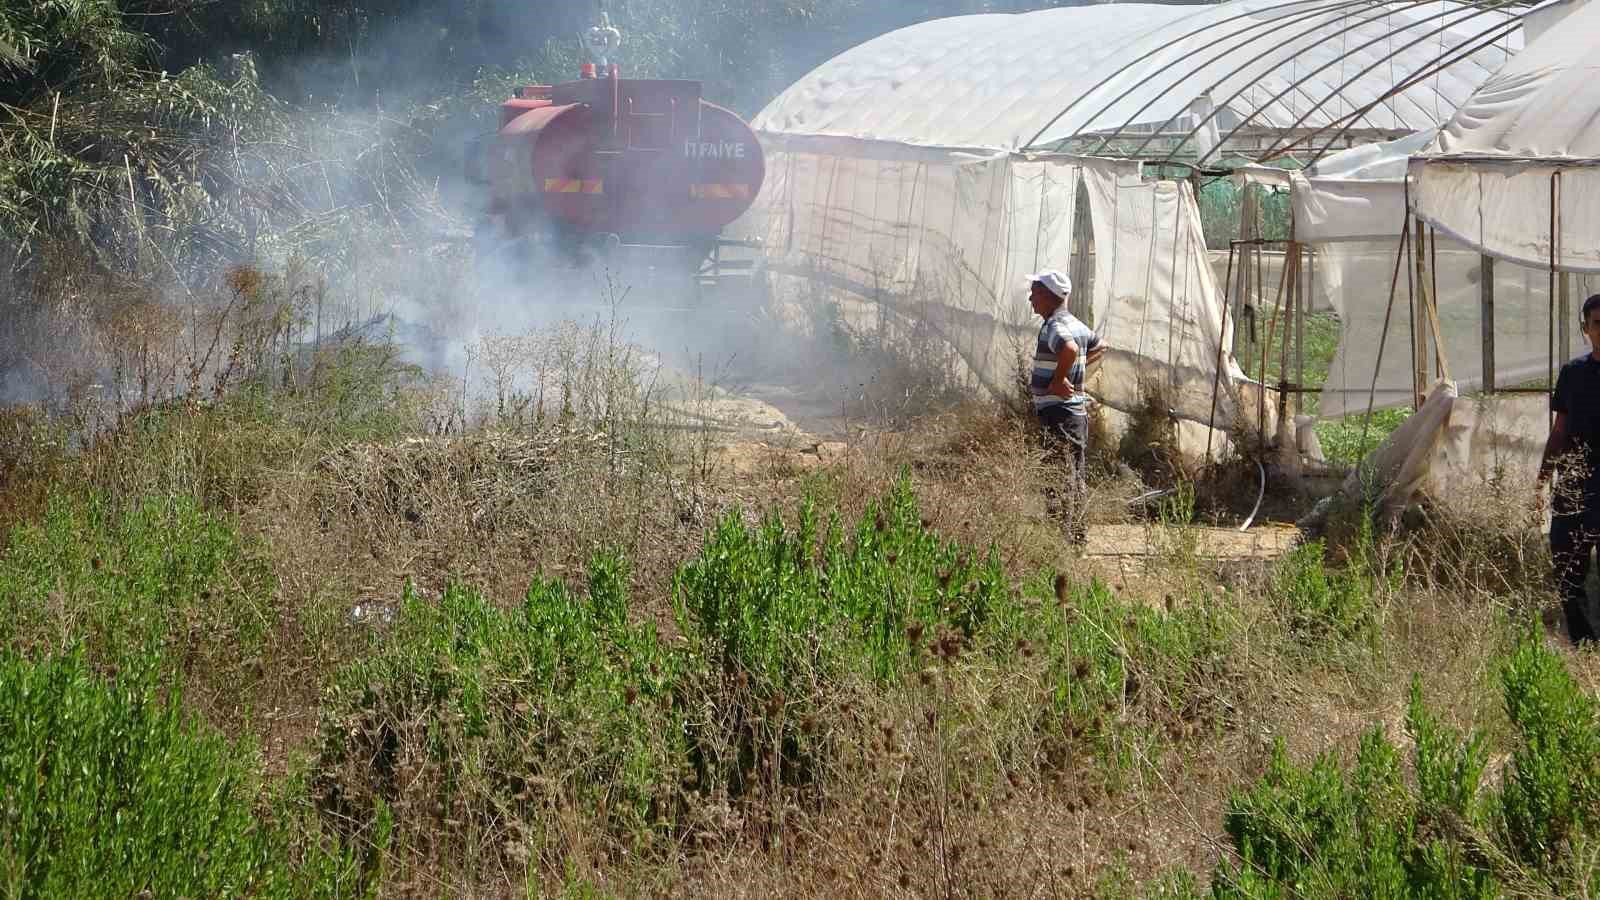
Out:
{"x": 1065, "y": 349}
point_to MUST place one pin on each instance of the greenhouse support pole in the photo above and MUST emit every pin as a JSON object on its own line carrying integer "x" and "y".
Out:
{"x": 1486, "y": 318}
{"x": 1300, "y": 332}
{"x": 1383, "y": 338}
{"x": 1440, "y": 360}
{"x": 1280, "y": 304}
{"x": 1291, "y": 307}
{"x": 1222, "y": 332}
{"x": 1564, "y": 314}
{"x": 1555, "y": 237}
{"x": 1441, "y": 363}
{"x": 1419, "y": 337}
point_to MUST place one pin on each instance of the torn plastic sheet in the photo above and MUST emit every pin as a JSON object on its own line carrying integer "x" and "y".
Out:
{"x": 1391, "y": 476}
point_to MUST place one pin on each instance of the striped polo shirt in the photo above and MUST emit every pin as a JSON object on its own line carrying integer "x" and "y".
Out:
{"x": 1054, "y": 334}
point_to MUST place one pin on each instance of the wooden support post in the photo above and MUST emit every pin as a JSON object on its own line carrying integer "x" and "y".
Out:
{"x": 1250, "y": 281}
{"x": 1419, "y": 314}
{"x": 1486, "y": 318}
{"x": 1240, "y": 301}
{"x": 1441, "y": 362}
{"x": 1291, "y": 282}
{"x": 1300, "y": 332}
{"x": 1564, "y": 312}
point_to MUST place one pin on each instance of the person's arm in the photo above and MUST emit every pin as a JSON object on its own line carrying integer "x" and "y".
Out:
{"x": 1060, "y": 384}
{"x": 1554, "y": 447}
{"x": 1095, "y": 352}
{"x": 1559, "y": 441}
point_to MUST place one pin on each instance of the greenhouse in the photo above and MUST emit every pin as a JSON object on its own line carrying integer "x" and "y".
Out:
{"x": 916, "y": 180}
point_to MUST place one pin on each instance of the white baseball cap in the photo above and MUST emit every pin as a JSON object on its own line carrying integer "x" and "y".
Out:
{"x": 1054, "y": 280}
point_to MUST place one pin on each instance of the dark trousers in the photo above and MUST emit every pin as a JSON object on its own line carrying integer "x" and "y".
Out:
{"x": 1572, "y": 537}
{"x": 1066, "y": 436}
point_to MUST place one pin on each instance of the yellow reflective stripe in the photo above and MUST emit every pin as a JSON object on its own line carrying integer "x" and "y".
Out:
{"x": 574, "y": 186}
{"x": 719, "y": 191}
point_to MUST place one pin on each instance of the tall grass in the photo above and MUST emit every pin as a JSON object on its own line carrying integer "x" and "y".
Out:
{"x": 1443, "y": 828}
{"x": 480, "y": 726}
{"x": 475, "y": 723}
{"x": 152, "y": 574}
{"x": 108, "y": 789}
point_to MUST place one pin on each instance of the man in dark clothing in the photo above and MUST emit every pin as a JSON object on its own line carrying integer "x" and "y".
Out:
{"x": 1066, "y": 347}
{"x": 1574, "y": 448}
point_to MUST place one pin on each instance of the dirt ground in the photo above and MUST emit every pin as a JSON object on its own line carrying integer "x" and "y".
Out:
{"x": 1137, "y": 559}
{"x": 1262, "y": 541}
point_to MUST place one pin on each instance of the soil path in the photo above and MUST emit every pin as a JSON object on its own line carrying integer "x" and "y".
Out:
{"x": 1265, "y": 541}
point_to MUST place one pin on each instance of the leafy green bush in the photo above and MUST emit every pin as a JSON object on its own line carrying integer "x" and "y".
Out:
{"x": 1319, "y": 831}
{"x": 227, "y": 454}
{"x": 34, "y": 453}
{"x": 477, "y": 723}
{"x": 488, "y": 717}
{"x": 781, "y": 606}
{"x": 108, "y": 790}
{"x": 1346, "y": 441}
{"x": 474, "y": 721}
{"x": 1551, "y": 798}
{"x": 1323, "y": 831}
{"x": 1321, "y": 602}
{"x": 157, "y": 573}
{"x": 1105, "y": 657}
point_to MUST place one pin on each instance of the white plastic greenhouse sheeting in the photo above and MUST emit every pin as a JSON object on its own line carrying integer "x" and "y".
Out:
{"x": 929, "y": 249}
{"x": 921, "y": 242}
{"x": 1452, "y": 448}
{"x": 996, "y": 80}
{"x": 1487, "y": 180}
{"x": 1358, "y": 275}
{"x": 1499, "y": 437}
{"x": 1358, "y": 194}
{"x": 1156, "y": 300}
{"x": 1351, "y": 208}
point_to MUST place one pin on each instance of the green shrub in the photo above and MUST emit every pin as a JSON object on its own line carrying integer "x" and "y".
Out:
{"x": 34, "y": 453}
{"x": 779, "y": 620}
{"x": 155, "y": 573}
{"x": 781, "y": 607}
{"x": 479, "y": 723}
{"x": 1346, "y": 441}
{"x": 1324, "y": 831}
{"x": 228, "y": 453}
{"x": 476, "y": 721}
{"x": 1320, "y": 602}
{"x": 108, "y": 790}
{"x": 1105, "y": 657}
{"x": 1551, "y": 798}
